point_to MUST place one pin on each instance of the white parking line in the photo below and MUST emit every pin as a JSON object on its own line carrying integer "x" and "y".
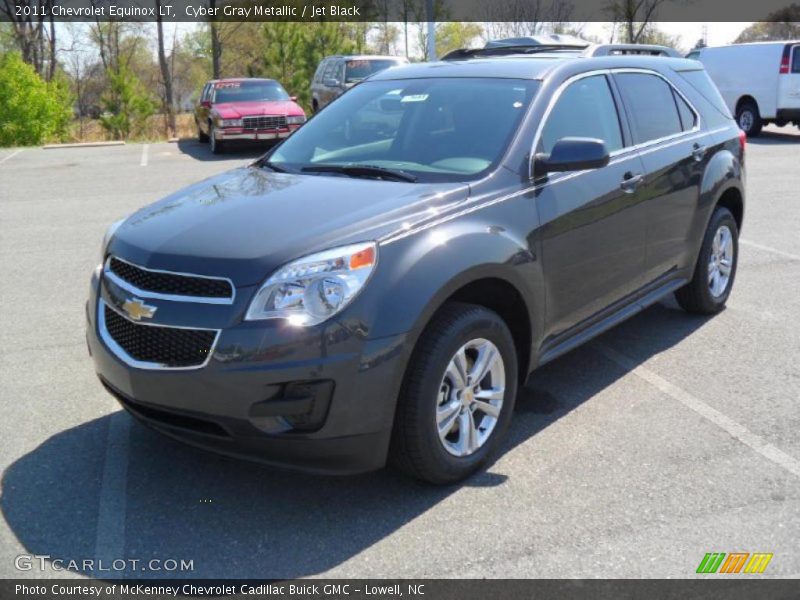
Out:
{"x": 109, "y": 542}
{"x": 734, "y": 429}
{"x": 5, "y": 158}
{"x": 768, "y": 249}
{"x": 145, "y": 150}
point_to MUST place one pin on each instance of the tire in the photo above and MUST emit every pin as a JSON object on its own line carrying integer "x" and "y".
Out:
{"x": 428, "y": 391}
{"x": 217, "y": 147}
{"x": 201, "y": 137}
{"x": 749, "y": 118}
{"x": 698, "y": 296}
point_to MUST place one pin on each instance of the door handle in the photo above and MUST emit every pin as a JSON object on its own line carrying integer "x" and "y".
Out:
{"x": 630, "y": 181}
{"x": 698, "y": 152}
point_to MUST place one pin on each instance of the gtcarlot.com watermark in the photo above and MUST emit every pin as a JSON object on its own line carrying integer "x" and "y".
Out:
{"x": 45, "y": 562}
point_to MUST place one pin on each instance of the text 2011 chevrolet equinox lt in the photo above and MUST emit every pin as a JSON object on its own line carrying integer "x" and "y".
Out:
{"x": 379, "y": 285}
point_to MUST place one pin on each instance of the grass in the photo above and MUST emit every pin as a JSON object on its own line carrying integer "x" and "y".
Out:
{"x": 155, "y": 129}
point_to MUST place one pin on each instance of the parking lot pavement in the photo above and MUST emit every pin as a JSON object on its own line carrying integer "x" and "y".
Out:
{"x": 668, "y": 437}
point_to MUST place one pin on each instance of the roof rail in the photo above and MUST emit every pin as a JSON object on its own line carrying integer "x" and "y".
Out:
{"x": 617, "y": 49}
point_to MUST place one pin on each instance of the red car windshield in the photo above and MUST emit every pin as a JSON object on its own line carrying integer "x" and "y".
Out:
{"x": 249, "y": 91}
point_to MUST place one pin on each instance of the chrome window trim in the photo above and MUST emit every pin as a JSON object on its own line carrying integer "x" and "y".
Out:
{"x": 120, "y": 353}
{"x": 633, "y": 148}
{"x": 128, "y": 287}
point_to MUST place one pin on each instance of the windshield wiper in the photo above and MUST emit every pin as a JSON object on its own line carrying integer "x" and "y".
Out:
{"x": 273, "y": 166}
{"x": 362, "y": 171}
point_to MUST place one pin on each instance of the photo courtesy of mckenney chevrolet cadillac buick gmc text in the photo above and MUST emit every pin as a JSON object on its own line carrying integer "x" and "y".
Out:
{"x": 379, "y": 284}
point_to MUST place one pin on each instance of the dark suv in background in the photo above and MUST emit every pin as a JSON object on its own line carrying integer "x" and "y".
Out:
{"x": 378, "y": 286}
{"x": 337, "y": 74}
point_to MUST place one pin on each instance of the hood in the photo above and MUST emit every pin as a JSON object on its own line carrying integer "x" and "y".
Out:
{"x": 246, "y": 223}
{"x": 234, "y": 110}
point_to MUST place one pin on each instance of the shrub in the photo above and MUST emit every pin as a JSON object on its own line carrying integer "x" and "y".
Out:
{"x": 126, "y": 104}
{"x": 31, "y": 110}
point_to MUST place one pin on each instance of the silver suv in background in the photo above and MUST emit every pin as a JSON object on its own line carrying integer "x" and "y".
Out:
{"x": 336, "y": 74}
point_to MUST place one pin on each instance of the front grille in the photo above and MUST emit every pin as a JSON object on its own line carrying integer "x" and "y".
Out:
{"x": 164, "y": 346}
{"x": 170, "y": 283}
{"x": 269, "y": 122}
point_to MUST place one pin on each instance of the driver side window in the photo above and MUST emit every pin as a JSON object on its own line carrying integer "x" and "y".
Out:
{"x": 585, "y": 108}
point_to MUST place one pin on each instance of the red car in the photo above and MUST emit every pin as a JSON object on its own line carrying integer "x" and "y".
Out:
{"x": 245, "y": 109}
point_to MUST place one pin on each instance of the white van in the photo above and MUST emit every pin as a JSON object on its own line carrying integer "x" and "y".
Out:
{"x": 760, "y": 82}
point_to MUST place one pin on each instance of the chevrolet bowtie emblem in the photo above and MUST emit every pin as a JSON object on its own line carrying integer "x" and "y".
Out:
{"x": 138, "y": 310}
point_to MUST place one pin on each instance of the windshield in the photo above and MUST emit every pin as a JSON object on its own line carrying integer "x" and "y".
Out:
{"x": 435, "y": 129}
{"x": 248, "y": 91}
{"x": 356, "y": 70}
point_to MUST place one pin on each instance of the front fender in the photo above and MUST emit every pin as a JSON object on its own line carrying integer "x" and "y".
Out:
{"x": 417, "y": 274}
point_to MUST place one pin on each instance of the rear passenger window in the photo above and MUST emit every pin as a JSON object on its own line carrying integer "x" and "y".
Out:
{"x": 586, "y": 108}
{"x": 688, "y": 118}
{"x": 796, "y": 59}
{"x": 651, "y": 105}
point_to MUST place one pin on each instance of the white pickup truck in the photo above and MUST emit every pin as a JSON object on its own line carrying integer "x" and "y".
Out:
{"x": 760, "y": 82}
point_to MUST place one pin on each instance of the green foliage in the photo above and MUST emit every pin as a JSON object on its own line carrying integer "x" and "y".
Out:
{"x": 31, "y": 110}
{"x": 126, "y": 105}
{"x": 292, "y": 52}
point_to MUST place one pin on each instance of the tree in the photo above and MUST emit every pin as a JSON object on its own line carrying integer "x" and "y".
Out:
{"x": 453, "y": 35}
{"x": 635, "y": 15}
{"x": 523, "y": 18}
{"x": 126, "y": 104}
{"x": 36, "y": 43}
{"x": 166, "y": 74}
{"x": 783, "y": 24}
{"x": 32, "y": 110}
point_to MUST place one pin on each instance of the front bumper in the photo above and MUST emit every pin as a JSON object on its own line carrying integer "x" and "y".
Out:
{"x": 318, "y": 399}
{"x": 238, "y": 133}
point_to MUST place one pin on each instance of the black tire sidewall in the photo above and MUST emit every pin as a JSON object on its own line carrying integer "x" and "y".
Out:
{"x": 479, "y": 323}
{"x": 756, "y": 126}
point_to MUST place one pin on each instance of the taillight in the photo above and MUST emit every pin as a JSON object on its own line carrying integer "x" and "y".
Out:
{"x": 787, "y": 53}
{"x": 742, "y": 140}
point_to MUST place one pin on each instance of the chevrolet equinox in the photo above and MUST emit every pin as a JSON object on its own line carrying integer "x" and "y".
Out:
{"x": 377, "y": 286}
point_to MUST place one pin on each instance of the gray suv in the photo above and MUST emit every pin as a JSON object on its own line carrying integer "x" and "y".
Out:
{"x": 337, "y": 74}
{"x": 377, "y": 286}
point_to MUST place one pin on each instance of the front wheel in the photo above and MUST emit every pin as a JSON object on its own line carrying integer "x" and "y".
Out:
{"x": 711, "y": 284}
{"x": 457, "y": 397}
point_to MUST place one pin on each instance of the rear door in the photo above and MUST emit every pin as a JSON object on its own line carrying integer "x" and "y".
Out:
{"x": 593, "y": 223}
{"x": 789, "y": 83}
{"x": 675, "y": 152}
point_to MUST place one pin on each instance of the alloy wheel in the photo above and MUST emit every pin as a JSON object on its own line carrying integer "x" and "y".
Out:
{"x": 720, "y": 261}
{"x": 470, "y": 397}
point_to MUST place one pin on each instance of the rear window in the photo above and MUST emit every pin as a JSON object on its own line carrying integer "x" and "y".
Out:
{"x": 701, "y": 82}
{"x": 356, "y": 70}
{"x": 654, "y": 113}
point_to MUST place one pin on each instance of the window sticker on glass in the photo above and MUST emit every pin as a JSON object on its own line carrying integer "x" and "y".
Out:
{"x": 414, "y": 98}
{"x": 227, "y": 84}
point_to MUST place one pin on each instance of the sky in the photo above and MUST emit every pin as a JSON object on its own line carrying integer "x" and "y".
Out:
{"x": 719, "y": 34}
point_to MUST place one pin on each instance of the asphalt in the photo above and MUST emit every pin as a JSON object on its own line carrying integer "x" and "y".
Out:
{"x": 669, "y": 437}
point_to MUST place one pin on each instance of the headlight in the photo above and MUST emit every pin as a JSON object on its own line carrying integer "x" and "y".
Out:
{"x": 231, "y": 122}
{"x": 107, "y": 237}
{"x": 296, "y": 119}
{"x": 312, "y": 289}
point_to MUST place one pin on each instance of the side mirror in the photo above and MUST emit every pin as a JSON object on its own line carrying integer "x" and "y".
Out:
{"x": 206, "y": 104}
{"x": 572, "y": 154}
{"x": 331, "y": 82}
